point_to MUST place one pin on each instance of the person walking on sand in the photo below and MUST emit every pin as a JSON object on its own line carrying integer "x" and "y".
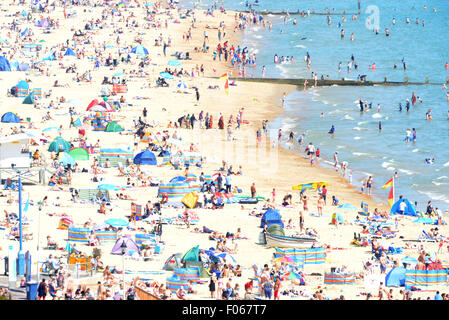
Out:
{"x": 304, "y": 203}
{"x": 301, "y": 221}
{"x": 369, "y": 185}
{"x": 42, "y": 290}
{"x": 197, "y": 93}
{"x": 320, "y": 205}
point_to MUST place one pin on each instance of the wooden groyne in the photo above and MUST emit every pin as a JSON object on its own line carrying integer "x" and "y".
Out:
{"x": 327, "y": 82}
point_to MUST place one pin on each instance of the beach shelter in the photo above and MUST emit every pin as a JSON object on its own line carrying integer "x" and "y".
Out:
{"x": 190, "y": 199}
{"x": 130, "y": 246}
{"x": 271, "y": 216}
{"x": 145, "y": 158}
{"x": 396, "y": 277}
{"x": 113, "y": 126}
{"x": 78, "y": 234}
{"x": 4, "y": 64}
{"x": 29, "y": 99}
{"x": 192, "y": 255}
{"x": 58, "y": 145}
{"x": 10, "y": 117}
{"x": 66, "y": 159}
{"x": 409, "y": 211}
{"x": 49, "y": 56}
{"x": 69, "y": 52}
{"x": 337, "y": 216}
{"x": 79, "y": 154}
{"x": 173, "y": 262}
{"x": 140, "y": 50}
{"x": 43, "y": 23}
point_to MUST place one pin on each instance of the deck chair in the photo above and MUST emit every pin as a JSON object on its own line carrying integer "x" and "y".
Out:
{"x": 425, "y": 237}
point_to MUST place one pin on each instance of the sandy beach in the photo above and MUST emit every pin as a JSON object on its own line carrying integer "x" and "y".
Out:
{"x": 264, "y": 164}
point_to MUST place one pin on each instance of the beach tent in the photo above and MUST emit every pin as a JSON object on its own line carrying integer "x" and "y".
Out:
{"x": 58, "y": 145}
{"x": 49, "y": 56}
{"x": 69, "y": 52}
{"x": 130, "y": 249}
{"x": 99, "y": 106}
{"x": 271, "y": 216}
{"x": 145, "y": 158}
{"x": 23, "y": 67}
{"x": 140, "y": 50}
{"x": 337, "y": 216}
{"x": 409, "y": 211}
{"x": 29, "y": 99}
{"x": 173, "y": 262}
{"x": 79, "y": 154}
{"x": 190, "y": 199}
{"x": 10, "y": 117}
{"x": 396, "y": 277}
{"x": 113, "y": 127}
{"x": 4, "y": 64}
{"x": 66, "y": 159}
{"x": 43, "y": 23}
{"x": 192, "y": 255}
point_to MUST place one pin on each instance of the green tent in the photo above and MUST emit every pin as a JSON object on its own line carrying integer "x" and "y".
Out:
{"x": 29, "y": 99}
{"x": 113, "y": 127}
{"x": 59, "y": 144}
{"x": 192, "y": 255}
{"x": 79, "y": 154}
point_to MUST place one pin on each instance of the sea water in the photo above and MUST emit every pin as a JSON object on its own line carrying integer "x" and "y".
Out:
{"x": 425, "y": 49}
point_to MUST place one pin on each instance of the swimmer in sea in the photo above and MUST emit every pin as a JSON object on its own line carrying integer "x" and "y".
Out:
{"x": 408, "y": 134}
{"x": 414, "y": 134}
{"x": 342, "y": 34}
{"x": 400, "y": 106}
{"x": 378, "y": 108}
{"x": 322, "y": 115}
{"x": 380, "y": 125}
{"x": 430, "y": 160}
{"x": 387, "y": 32}
{"x": 394, "y": 21}
{"x": 332, "y": 130}
{"x": 429, "y": 114}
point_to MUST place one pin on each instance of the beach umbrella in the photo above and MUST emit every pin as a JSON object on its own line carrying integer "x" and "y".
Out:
{"x": 108, "y": 187}
{"x": 409, "y": 260}
{"x": 116, "y": 222}
{"x": 347, "y": 206}
{"x": 140, "y": 50}
{"x": 66, "y": 159}
{"x": 227, "y": 258}
{"x": 182, "y": 84}
{"x": 166, "y": 75}
{"x": 174, "y": 63}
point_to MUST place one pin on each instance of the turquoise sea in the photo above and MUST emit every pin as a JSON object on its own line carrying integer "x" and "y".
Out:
{"x": 425, "y": 49}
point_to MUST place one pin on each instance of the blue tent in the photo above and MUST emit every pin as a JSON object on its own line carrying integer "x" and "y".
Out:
{"x": 271, "y": 216}
{"x": 409, "y": 211}
{"x": 396, "y": 277}
{"x": 164, "y": 153}
{"x": 178, "y": 179}
{"x": 23, "y": 67}
{"x": 49, "y": 56}
{"x": 139, "y": 49}
{"x": 4, "y": 64}
{"x": 69, "y": 52}
{"x": 66, "y": 159}
{"x": 10, "y": 117}
{"x": 23, "y": 85}
{"x": 145, "y": 157}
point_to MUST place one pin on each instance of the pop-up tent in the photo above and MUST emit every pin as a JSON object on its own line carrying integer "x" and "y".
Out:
{"x": 145, "y": 157}
{"x": 49, "y": 56}
{"x": 4, "y": 64}
{"x": 79, "y": 154}
{"x": 396, "y": 277}
{"x": 59, "y": 145}
{"x": 129, "y": 245}
{"x": 409, "y": 210}
{"x": 66, "y": 159}
{"x": 271, "y": 216}
{"x": 10, "y": 117}
{"x": 29, "y": 99}
{"x": 23, "y": 67}
{"x": 173, "y": 262}
{"x": 43, "y": 23}
{"x": 113, "y": 127}
{"x": 69, "y": 52}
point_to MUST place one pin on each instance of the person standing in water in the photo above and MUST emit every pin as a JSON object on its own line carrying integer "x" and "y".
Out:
{"x": 336, "y": 160}
{"x": 414, "y": 134}
{"x": 332, "y": 130}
